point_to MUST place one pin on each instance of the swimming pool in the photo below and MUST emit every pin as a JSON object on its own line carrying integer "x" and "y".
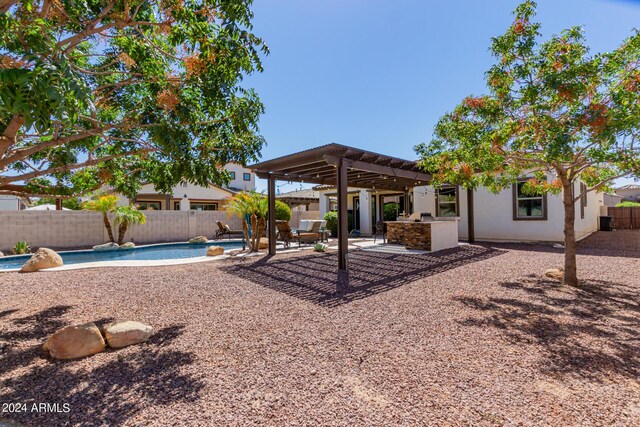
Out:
{"x": 163, "y": 251}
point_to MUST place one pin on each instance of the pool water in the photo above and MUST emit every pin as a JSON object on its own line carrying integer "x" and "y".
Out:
{"x": 143, "y": 253}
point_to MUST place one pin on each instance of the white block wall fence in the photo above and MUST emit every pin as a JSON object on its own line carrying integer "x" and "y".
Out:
{"x": 82, "y": 229}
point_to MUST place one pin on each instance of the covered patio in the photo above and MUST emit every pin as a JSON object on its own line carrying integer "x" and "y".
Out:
{"x": 340, "y": 166}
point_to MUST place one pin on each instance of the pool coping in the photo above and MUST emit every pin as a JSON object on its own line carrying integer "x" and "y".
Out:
{"x": 134, "y": 263}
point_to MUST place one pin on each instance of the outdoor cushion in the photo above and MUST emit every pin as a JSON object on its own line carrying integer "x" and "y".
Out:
{"x": 305, "y": 225}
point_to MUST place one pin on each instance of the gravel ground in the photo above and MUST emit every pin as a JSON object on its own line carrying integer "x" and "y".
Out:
{"x": 472, "y": 336}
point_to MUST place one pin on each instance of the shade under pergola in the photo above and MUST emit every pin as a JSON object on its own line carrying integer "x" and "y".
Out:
{"x": 342, "y": 166}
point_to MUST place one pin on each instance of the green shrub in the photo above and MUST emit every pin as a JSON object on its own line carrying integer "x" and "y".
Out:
{"x": 21, "y": 248}
{"x": 283, "y": 212}
{"x": 390, "y": 211}
{"x": 628, "y": 205}
{"x": 332, "y": 222}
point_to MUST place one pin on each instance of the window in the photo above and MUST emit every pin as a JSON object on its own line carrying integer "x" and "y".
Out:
{"x": 233, "y": 175}
{"x": 246, "y": 176}
{"x": 447, "y": 201}
{"x": 583, "y": 199}
{"x": 528, "y": 206}
{"x": 149, "y": 206}
{"x": 184, "y": 184}
{"x": 204, "y": 206}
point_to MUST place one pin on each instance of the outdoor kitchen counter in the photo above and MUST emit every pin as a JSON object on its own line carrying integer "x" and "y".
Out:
{"x": 429, "y": 235}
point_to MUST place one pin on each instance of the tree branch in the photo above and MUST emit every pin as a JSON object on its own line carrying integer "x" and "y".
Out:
{"x": 67, "y": 168}
{"x": 8, "y": 137}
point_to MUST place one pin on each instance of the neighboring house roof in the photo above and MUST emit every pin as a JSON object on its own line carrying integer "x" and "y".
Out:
{"x": 307, "y": 193}
{"x": 332, "y": 187}
{"x": 46, "y": 207}
{"x": 233, "y": 190}
{"x": 629, "y": 187}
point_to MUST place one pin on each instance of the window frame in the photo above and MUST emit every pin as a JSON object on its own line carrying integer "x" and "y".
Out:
{"x": 515, "y": 199}
{"x": 583, "y": 199}
{"x": 147, "y": 202}
{"x": 246, "y": 176}
{"x": 232, "y": 174}
{"x": 215, "y": 204}
{"x": 457, "y": 201}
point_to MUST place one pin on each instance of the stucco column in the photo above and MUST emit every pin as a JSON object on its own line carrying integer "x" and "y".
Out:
{"x": 365, "y": 213}
{"x": 323, "y": 202}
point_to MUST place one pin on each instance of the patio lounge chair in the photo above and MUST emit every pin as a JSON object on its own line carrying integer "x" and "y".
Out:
{"x": 286, "y": 235}
{"x": 311, "y": 236}
{"x": 224, "y": 229}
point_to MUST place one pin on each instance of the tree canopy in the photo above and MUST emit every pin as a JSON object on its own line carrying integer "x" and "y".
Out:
{"x": 121, "y": 93}
{"x": 554, "y": 113}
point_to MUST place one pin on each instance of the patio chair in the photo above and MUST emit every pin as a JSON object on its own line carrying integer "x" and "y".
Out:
{"x": 311, "y": 236}
{"x": 381, "y": 228}
{"x": 285, "y": 234}
{"x": 224, "y": 229}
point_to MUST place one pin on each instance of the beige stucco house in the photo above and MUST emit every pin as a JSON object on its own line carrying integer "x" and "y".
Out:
{"x": 186, "y": 196}
{"x": 508, "y": 216}
{"x": 629, "y": 193}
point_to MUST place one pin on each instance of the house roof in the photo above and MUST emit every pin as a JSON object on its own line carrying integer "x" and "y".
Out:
{"x": 305, "y": 193}
{"x": 366, "y": 169}
{"x": 629, "y": 187}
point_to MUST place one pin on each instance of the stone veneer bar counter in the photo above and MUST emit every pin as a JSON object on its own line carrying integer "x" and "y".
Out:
{"x": 429, "y": 236}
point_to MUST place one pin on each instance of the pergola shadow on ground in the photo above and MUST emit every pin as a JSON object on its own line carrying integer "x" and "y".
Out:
{"x": 316, "y": 278}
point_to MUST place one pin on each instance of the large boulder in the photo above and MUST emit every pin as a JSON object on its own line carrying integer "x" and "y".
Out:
{"x": 555, "y": 274}
{"x": 264, "y": 244}
{"x": 199, "y": 239}
{"x": 111, "y": 246}
{"x": 1, "y": 254}
{"x": 128, "y": 245}
{"x": 126, "y": 333}
{"x": 215, "y": 250}
{"x": 43, "y": 258}
{"x": 75, "y": 341}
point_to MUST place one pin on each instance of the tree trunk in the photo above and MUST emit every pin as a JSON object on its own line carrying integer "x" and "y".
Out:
{"x": 254, "y": 233}
{"x": 260, "y": 229}
{"x": 570, "y": 268}
{"x": 107, "y": 225}
{"x": 245, "y": 229}
{"x": 122, "y": 230}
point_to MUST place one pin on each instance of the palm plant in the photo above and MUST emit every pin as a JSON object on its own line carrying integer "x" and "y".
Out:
{"x": 104, "y": 205}
{"x": 126, "y": 216}
{"x": 252, "y": 208}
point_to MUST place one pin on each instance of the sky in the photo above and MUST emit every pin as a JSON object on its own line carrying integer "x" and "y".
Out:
{"x": 378, "y": 74}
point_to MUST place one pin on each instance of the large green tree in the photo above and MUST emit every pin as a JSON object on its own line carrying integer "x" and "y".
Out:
{"x": 554, "y": 113}
{"x": 125, "y": 92}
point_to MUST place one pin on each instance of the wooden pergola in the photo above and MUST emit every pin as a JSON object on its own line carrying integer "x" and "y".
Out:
{"x": 342, "y": 166}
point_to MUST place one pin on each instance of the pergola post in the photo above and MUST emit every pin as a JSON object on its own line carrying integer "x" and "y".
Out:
{"x": 470, "y": 219}
{"x": 271, "y": 197}
{"x": 343, "y": 232}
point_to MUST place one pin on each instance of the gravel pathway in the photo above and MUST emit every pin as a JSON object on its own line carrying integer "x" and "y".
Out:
{"x": 472, "y": 336}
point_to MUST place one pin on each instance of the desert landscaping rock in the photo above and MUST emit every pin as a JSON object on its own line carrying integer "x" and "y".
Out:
{"x": 479, "y": 342}
{"x": 199, "y": 239}
{"x": 128, "y": 245}
{"x": 555, "y": 274}
{"x": 43, "y": 258}
{"x": 111, "y": 246}
{"x": 215, "y": 250}
{"x": 75, "y": 341}
{"x": 126, "y": 333}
